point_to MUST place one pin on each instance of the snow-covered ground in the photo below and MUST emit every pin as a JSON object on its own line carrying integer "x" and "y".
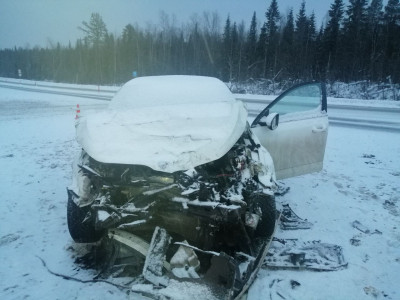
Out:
{"x": 360, "y": 182}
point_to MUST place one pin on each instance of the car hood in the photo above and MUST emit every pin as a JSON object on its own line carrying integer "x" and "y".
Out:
{"x": 165, "y": 138}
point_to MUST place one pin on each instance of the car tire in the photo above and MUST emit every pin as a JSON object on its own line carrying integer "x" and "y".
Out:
{"x": 79, "y": 231}
{"x": 264, "y": 204}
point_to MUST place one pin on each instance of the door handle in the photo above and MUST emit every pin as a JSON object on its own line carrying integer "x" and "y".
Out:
{"x": 319, "y": 128}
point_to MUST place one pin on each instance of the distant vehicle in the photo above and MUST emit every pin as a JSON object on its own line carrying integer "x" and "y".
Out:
{"x": 176, "y": 156}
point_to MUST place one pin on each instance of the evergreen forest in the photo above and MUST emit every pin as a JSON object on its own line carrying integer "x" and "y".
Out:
{"x": 359, "y": 40}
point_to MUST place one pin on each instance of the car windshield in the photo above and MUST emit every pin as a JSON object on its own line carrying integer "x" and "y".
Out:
{"x": 171, "y": 90}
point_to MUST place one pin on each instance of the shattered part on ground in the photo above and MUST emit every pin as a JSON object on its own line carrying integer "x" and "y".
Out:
{"x": 315, "y": 255}
{"x": 294, "y": 254}
{"x": 359, "y": 226}
{"x": 291, "y": 221}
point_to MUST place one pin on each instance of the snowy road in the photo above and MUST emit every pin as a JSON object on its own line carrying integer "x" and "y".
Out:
{"x": 364, "y": 114}
{"x": 367, "y": 118}
{"x": 360, "y": 182}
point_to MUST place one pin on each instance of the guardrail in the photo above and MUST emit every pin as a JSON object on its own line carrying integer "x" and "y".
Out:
{"x": 64, "y": 86}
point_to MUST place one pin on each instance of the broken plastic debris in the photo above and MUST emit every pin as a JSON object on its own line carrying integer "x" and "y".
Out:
{"x": 152, "y": 270}
{"x": 185, "y": 263}
{"x": 364, "y": 229}
{"x": 291, "y": 221}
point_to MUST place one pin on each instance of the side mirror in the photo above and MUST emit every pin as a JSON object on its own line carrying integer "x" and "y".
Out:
{"x": 272, "y": 121}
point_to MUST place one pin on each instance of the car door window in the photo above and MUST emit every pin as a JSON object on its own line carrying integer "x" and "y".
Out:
{"x": 298, "y": 99}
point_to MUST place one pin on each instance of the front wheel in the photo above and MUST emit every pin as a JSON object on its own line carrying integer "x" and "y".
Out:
{"x": 81, "y": 230}
{"x": 264, "y": 206}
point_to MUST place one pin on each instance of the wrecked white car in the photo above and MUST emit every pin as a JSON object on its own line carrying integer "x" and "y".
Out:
{"x": 174, "y": 171}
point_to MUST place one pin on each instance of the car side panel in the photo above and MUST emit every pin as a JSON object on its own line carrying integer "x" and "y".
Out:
{"x": 297, "y": 146}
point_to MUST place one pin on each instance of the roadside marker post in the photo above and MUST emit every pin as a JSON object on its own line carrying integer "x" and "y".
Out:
{"x": 78, "y": 111}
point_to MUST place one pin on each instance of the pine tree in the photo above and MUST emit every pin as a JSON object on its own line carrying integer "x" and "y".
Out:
{"x": 261, "y": 52}
{"x": 240, "y": 51}
{"x": 288, "y": 30}
{"x": 392, "y": 43}
{"x": 355, "y": 30}
{"x": 227, "y": 50}
{"x": 272, "y": 38}
{"x": 234, "y": 59}
{"x": 331, "y": 36}
{"x": 374, "y": 35}
{"x": 251, "y": 47}
{"x": 301, "y": 23}
{"x": 273, "y": 17}
{"x": 312, "y": 29}
{"x": 312, "y": 48}
{"x": 320, "y": 61}
{"x": 96, "y": 32}
{"x": 287, "y": 46}
{"x": 301, "y": 41}
{"x": 129, "y": 53}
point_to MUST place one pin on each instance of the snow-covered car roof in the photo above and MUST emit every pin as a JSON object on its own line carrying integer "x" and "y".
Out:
{"x": 170, "y": 90}
{"x": 168, "y": 123}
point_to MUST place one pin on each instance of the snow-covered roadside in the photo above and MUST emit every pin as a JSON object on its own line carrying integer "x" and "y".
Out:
{"x": 37, "y": 145}
{"x": 360, "y": 181}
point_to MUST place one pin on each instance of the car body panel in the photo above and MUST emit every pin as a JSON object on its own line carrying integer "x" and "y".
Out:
{"x": 297, "y": 145}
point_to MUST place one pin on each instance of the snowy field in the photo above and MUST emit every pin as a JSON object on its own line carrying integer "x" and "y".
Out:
{"x": 360, "y": 182}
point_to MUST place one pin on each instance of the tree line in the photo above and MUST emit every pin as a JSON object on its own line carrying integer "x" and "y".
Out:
{"x": 357, "y": 41}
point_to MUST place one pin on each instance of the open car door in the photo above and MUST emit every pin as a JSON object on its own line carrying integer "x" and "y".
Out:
{"x": 297, "y": 143}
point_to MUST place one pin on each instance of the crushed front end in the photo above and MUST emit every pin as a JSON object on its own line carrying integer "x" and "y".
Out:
{"x": 220, "y": 211}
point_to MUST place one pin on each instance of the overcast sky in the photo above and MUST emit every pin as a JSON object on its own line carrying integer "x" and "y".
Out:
{"x": 46, "y": 22}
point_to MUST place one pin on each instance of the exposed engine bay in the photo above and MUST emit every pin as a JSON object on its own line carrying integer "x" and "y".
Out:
{"x": 222, "y": 210}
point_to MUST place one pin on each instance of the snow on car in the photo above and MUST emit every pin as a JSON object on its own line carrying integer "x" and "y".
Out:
{"x": 173, "y": 170}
